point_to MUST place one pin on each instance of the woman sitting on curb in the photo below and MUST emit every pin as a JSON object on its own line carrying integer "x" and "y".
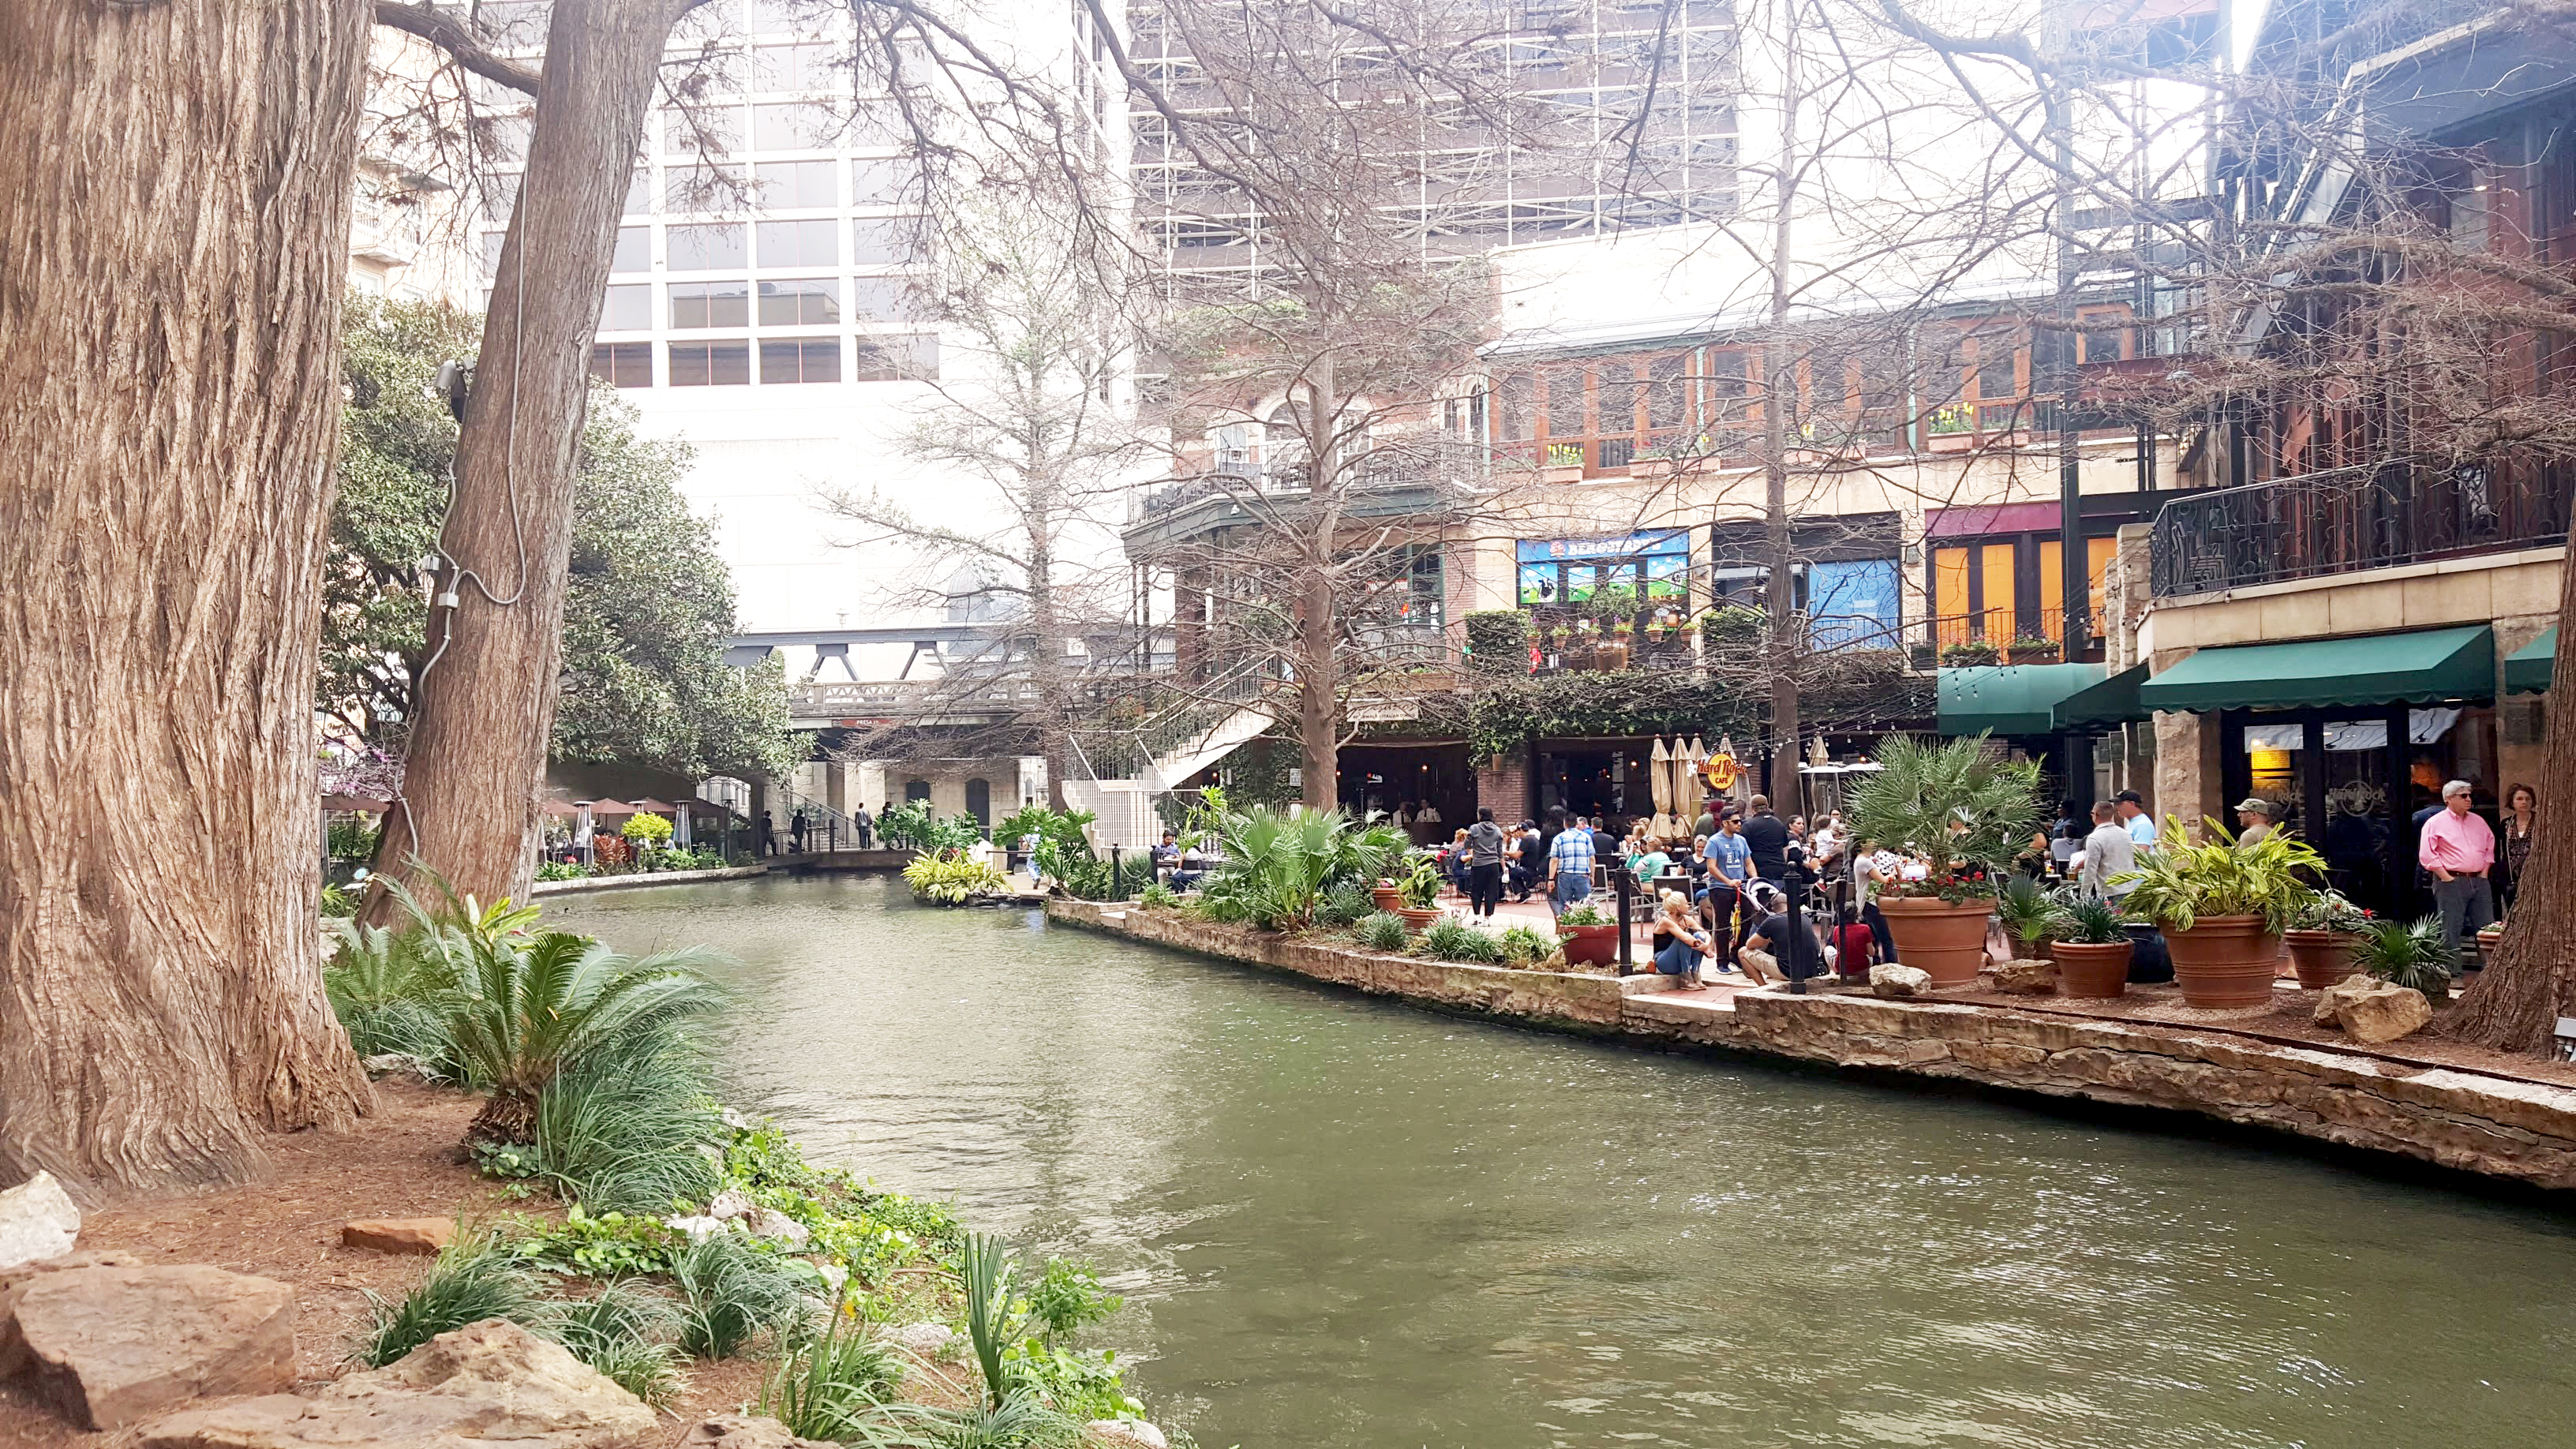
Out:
{"x": 1680, "y": 941}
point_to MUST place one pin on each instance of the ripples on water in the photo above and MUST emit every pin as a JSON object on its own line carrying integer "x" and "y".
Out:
{"x": 1345, "y": 1224}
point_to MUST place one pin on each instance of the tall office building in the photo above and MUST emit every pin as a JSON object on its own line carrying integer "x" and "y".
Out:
{"x": 1636, "y": 108}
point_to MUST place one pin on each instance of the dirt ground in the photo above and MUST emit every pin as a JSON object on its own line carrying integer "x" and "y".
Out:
{"x": 401, "y": 1163}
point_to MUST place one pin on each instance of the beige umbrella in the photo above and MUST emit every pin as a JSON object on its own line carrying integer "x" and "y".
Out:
{"x": 1662, "y": 776}
{"x": 1693, "y": 788}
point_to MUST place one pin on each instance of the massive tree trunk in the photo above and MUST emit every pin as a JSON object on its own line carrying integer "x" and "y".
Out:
{"x": 2514, "y": 1005}
{"x": 472, "y": 794}
{"x": 174, "y": 217}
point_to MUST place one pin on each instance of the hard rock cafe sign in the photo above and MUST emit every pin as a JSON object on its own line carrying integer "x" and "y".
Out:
{"x": 1721, "y": 772}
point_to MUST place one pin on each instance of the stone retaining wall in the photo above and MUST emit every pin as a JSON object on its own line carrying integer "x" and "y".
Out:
{"x": 2458, "y": 1119}
{"x": 643, "y": 878}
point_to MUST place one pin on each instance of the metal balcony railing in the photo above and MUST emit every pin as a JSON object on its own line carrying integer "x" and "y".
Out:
{"x": 2379, "y": 515}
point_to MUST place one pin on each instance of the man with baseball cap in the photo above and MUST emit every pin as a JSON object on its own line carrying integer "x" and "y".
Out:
{"x": 2253, "y": 819}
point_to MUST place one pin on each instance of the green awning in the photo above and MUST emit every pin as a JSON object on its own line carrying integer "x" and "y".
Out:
{"x": 2527, "y": 669}
{"x": 2107, "y": 705}
{"x": 2009, "y": 699}
{"x": 2417, "y": 668}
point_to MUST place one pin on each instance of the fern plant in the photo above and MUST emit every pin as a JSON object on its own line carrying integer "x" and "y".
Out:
{"x": 2178, "y": 881}
{"x": 1955, "y": 803}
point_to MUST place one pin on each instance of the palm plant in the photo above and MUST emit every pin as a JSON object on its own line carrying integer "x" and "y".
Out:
{"x": 526, "y": 1007}
{"x": 2177, "y": 881}
{"x": 2408, "y": 953}
{"x": 1275, "y": 866}
{"x": 384, "y": 985}
{"x": 1954, "y": 803}
{"x": 2028, "y": 915}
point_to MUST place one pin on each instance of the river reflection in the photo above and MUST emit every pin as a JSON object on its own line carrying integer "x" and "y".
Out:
{"x": 1345, "y": 1224}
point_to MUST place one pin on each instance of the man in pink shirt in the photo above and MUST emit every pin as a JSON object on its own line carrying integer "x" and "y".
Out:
{"x": 2458, "y": 849}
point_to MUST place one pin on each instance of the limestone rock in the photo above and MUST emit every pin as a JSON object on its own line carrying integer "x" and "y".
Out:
{"x": 13, "y": 1349}
{"x": 38, "y": 1220}
{"x": 731, "y": 1203}
{"x": 1899, "y": 982}
{"x": 2371, "y": 1011}
{"x": 1127, "y": 1431}
{"x": 2027, "y": 977}
{"x": 698, "y": 1226}
{"x": 922, "y": 1338}
{"x": 399, "y": 1235}
{"x": 746, "y": 1431}
{"x": 108, "y": 1346}
{"x": 487, "y": 1383}
{"x": 2359, "y": 983}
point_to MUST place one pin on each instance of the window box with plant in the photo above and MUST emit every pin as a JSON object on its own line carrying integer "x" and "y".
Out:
{"x": 2321, "y": 937}
{"x": 1974, "y": 654}
{"x": 2223, "y": 906}
{"x": 1964, "y": 813}
{"x": 2029, "y": 650}
{"x": 2092, "y": 948}
{"x": 1590, "y": 938}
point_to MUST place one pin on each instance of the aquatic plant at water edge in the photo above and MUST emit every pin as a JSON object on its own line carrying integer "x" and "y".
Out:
{"x": 731, "y": 1292}
{"x": 826, "y": 1383}
{"x": 912, "y": 825}
{"x": 1158, "y": 896}
{"x": 1068, "y": 1297}
{"x": 951, "y": 881}
{"x": 472, "y": 1279}
{"x": 1451, "y": 939}
{"x": 1382, "y": 931}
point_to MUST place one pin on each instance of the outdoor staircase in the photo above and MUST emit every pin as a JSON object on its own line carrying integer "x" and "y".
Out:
{"x": 1118, "y": 779}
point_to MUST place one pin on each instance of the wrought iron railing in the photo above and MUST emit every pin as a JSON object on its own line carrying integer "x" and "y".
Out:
{"x": 2375, "y": 516}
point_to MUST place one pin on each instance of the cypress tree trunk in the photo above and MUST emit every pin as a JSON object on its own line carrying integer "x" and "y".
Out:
{"x": 2515, "y": 1003}
{"x": 472, "y": 807}
{"x": 174, "y": 217}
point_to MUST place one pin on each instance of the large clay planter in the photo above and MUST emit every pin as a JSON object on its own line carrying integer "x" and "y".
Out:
{"x": 2321, "y": 958}
{"x": 1946, "y": 941}
{"x": 1589, "y": 945}
{"x": 2224, "y": 961}
{"x": 1386, "y": 898}
{"x": 1418, "y": 917}
{"x": 2092, "y": 969}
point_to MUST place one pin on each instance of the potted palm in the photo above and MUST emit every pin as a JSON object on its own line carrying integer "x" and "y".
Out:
{"x": 2092, "y": 948}
{"x": 2408, "y": 953}
{"x": 2029, "y": 917}
{"x": 2223, "y": 906}
{"x": 1961, "y": 810}
{"x": 2320, "y": 939}
{"x": 1590, "y": 938}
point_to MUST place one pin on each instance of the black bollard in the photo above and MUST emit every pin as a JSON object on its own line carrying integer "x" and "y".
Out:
{"x": 1627, "y": 885}
{"x": 1793, "y": 879}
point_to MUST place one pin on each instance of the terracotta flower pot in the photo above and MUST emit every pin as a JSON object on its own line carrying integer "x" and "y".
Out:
{"x": 2321, "y": 958}
{"x": 1946, "y": 941}
{"x": 1386, "y": 898}
{"x": 1589, "y": 945}
{"x": 2092, "y": 968}
{"x": 1417, "y": 917}
{"x": 2224, "y": 961}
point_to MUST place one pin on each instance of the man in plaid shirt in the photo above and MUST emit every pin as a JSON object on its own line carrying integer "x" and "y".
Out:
{"x": 1569, "y": 868}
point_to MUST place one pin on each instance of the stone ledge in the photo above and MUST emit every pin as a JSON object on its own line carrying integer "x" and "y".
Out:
{"x": 643, "y": 878}
{"x": 2464, "y": 1120}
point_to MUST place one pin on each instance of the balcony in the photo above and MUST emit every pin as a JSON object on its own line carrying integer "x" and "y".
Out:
{"x": 2345, "y": 520}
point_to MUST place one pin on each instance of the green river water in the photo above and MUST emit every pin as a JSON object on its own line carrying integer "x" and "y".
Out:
{"x": 1343, "y": 1223}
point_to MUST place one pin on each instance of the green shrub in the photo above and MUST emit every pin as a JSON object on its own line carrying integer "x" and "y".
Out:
{"x": 631, "y": 1130}
{"x": 825, "y": 1384}
{"x": 350, "y": 838}
{"x": 1522, "y": 946}
{"x": 732, "y": 1293}
{"x": 1382, "y": 931}
{"x": 1274, "y": 866}
{"x": 1498, "y": 642}
{"x": 607, "y": 1245}
{"x": 1068, "y": 1297}
{"x": 951, "y": 882}
{"x": 563, "y": 870}
{"x": 1451, "y": 939}
{"x": 474, "y": 1278}
{"x": 625, "y": 1333}
{"x": 1344, "y": 902}
{"x": 646, "y": 829}
{"x": 1158, "y": 896}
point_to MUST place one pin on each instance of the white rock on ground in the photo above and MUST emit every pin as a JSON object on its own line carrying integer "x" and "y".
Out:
{"x": 485, "y": 1384}
{"x": 731, "y": 1204}
{"x": 2372, "y": 1010}
{"x": 108, "y": 1346}
{"x": 38, "y": 1220}
{"x": 1127, "y": 1431}
{"x": 769, "y": 1222}
{"x": 1892, "y": 980}
{"x": 922, "y": 1338}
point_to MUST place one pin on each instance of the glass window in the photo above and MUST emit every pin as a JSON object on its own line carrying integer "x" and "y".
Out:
{"x": 634, "y": 250}
{"x": 627, "y": 307}
{"x": 799, "y": 243}
{"x": 705, "y": 248}
{"x": 794, "y": 68}
{"x": 1995, "y": 382}
{"x": 703, "y": 131}
{"x": 639, "y": 192}
{"x": 710, "y": 364}
{"x": 802, "y": 302}
{"x": 802, "y": 359}
{"x": 622, "y": 364}
{"x": 489, "y": 254}
{"x": 698, "y": 305}
{"x": 883, "y": 299}
{"x": 785, "y": 184}
{"x": 793, "y": 126}
{"x": 887, "y": 359}
{"x": 880, "y": 240}
{"x": 705, "y": 188}
{"x": 879, "y": 180}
